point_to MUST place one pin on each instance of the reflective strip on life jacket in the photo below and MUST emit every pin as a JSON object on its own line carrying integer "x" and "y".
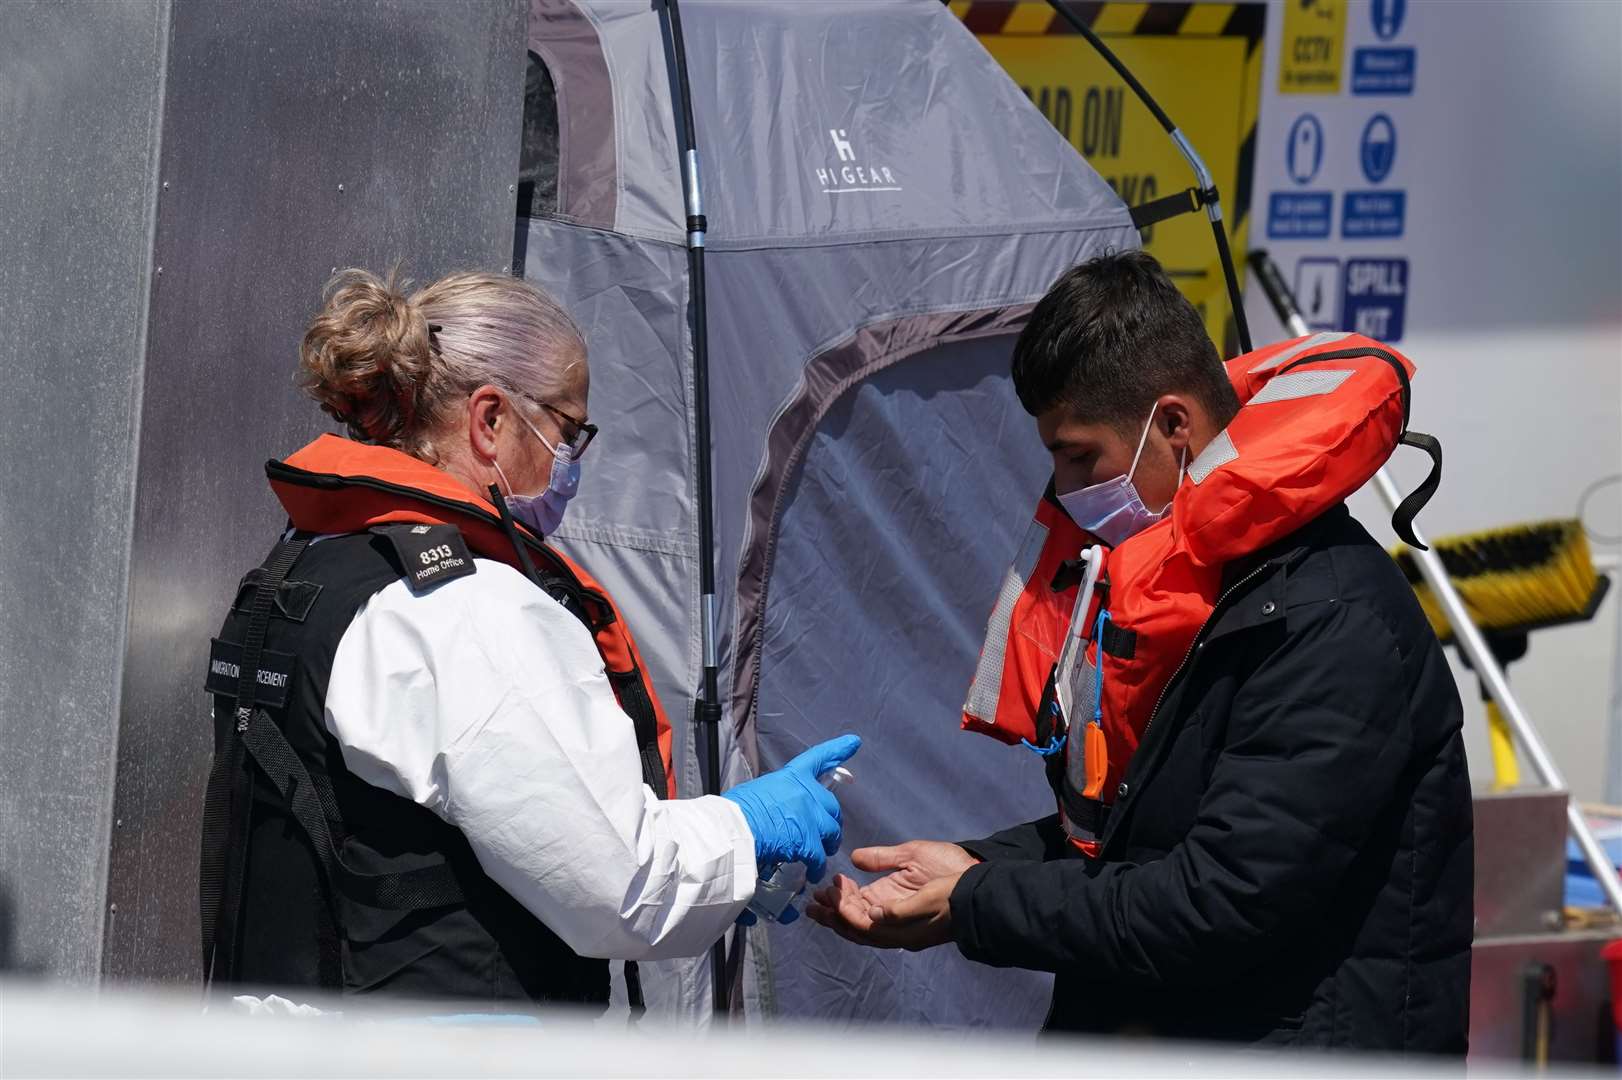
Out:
{"x": 1023, "y": 642}
{"x": 987, "y": 685}
{"x": 1298, "y": 384}
{"x": 1217, "y": 453}
{"x": 1296, "y": 348}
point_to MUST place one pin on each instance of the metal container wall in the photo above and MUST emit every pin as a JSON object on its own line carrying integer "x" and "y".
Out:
{"x": 1580, "y": 1026}
{"x": 1520, "y": 854}
{"x": 80, "y": 90}
{"x": 295, "y": 138}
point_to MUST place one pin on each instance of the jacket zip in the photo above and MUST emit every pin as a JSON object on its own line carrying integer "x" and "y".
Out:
{"x": 1195, "y": 644}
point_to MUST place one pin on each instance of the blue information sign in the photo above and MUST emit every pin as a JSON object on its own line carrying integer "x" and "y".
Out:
{"x": 1299, "y": 215}
{"x": 1377, "y": 151}
{"x": 1374, "y": 298}
{"x": 1373, "y": 214}
{"x": 1305, "y": 151}
{"x": 1387, "y": 17}
{"x": 1383, "y": 71}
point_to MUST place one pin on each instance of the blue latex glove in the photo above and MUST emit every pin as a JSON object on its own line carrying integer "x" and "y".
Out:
{"x": 792, "y": 816}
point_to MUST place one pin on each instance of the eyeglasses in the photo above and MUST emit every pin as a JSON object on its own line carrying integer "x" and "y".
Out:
{"x": 583, "y": 432}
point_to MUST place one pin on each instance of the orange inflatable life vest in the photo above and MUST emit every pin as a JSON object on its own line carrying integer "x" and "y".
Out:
{"x": 337, "y": 485}
{"x": 1093, "y": 642}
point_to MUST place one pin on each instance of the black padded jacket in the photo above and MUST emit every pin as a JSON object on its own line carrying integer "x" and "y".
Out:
{"x": 1289, "y": 857}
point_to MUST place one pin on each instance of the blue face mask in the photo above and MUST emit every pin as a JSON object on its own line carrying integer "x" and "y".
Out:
{"x": 544, "y": 512}
{"x": 1112, "y": 510}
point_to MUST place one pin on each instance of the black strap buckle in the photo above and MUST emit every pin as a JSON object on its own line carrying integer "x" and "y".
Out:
{"x": 1402, "y": 519}
{"x": 1189, "y": 201}
{"x": 228, "y": 805}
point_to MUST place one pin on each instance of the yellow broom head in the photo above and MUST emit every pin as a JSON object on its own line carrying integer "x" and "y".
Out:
{"x": 1518, "y": 577}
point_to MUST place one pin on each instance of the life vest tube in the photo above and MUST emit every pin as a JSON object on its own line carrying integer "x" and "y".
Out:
{"x": 1319, "y": 416}
{"x": 337, "y": 485}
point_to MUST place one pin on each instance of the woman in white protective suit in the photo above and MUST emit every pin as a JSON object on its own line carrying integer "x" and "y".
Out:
{"x": 440, "y": 767}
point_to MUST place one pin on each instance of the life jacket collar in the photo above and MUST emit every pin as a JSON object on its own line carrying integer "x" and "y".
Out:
{"x": 337, "y": 485}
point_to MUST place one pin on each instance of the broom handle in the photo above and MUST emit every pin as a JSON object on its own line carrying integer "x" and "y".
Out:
{"x": 1469, "y": 638}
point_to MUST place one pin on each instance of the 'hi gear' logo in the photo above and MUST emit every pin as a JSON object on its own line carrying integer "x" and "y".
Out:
{"x": 848, "y": 175}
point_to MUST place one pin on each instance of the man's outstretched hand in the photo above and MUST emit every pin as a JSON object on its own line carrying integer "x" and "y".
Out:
{"x": 908, "y": 908}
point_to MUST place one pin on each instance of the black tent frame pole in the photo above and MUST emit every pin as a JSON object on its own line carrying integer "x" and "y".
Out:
{"x": 1278, "y": 293}
{"x": 1206, "y": 190}
{"x": 707, "y": 709}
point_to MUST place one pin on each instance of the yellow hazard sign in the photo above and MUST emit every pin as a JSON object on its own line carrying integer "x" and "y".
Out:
{"x": 1310, "y": 52}
{"x": 1202, "y": 63}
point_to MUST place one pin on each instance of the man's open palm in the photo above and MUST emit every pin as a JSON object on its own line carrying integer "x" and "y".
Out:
{"x": 848, "y": 909}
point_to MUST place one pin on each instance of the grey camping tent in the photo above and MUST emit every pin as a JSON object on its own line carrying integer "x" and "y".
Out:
{"x": 884, "y": 206}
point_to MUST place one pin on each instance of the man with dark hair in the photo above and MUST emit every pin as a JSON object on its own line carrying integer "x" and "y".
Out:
{"x": 1111, "y": 343}
{"x": 1134, "y": 332}
{"x": 1287, "y": 856}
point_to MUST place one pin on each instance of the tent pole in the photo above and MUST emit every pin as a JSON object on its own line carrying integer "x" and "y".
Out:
{"x": 1202, "y": 176}
{"x": 707, "y": 709}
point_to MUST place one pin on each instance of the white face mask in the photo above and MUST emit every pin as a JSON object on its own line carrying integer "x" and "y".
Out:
{"x": 544, "y": 512}
{"x": 1112, "y": 510}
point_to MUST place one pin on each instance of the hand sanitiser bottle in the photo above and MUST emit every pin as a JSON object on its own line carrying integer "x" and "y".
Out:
{"x": 778, "y": 888}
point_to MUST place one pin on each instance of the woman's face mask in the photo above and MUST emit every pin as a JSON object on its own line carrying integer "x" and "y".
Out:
{"x": 544, "y": 512}
{"x": 1112, "y": 510}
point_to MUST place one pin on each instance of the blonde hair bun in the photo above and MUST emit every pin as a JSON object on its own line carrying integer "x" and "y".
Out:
{"x": 367, "y": 357}
{"x": 397, "y": 368}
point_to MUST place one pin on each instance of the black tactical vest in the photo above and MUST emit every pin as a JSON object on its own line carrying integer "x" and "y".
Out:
{"x": 312, "y": 878}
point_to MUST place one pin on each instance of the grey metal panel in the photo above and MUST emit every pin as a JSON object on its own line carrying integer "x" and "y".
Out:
{"x": 1581, "y": 1028}
{"x": 79, "y": 92}
{"x": 1520, "y": 861}
{"x": 298, "y": 136}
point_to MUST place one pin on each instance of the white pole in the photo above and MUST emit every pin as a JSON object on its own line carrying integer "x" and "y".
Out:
{"x": 1474, "y": 645}
{"x": 1486, "y": 665}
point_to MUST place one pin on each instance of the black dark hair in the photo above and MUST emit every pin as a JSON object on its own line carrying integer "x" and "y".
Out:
{"x": 1111, "y": 336}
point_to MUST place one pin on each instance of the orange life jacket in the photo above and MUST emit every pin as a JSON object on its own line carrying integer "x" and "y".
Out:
{"x": 337, "y": 485}
{"x": 1319, "y": 416}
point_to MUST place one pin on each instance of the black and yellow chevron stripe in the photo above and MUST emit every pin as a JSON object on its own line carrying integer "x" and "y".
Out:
{"x": 1245, "y": 20}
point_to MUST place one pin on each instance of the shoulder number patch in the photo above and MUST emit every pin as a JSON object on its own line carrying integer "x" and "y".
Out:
{"x": 429, "y": 554}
